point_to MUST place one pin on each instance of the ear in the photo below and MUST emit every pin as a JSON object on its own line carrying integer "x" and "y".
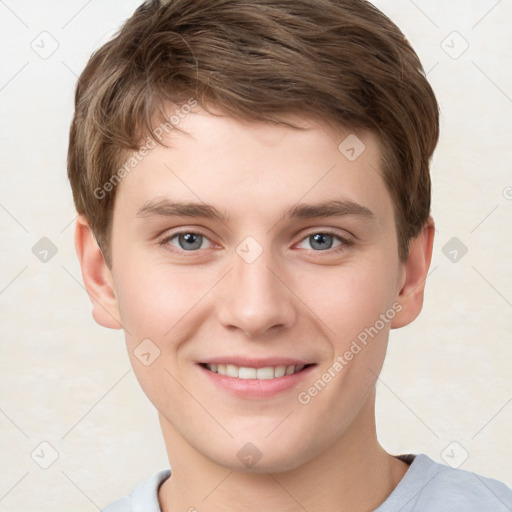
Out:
{"x": 415, "y": 270}
{"x": 97, "y": 276}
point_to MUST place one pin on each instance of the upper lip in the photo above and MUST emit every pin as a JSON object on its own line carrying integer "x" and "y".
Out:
{"x": 248, "y": 362}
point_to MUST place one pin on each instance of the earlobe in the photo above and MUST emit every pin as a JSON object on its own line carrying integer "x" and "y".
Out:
{"x": 97, "y": 276}
{"x": 415, "y": 274}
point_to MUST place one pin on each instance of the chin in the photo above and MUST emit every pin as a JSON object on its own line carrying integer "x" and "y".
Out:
{"x": 279, "y": 455}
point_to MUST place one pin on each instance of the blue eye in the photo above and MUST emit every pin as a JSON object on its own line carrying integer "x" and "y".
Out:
{"x": 187, "y": 240}
{"x": 323, "y": 241}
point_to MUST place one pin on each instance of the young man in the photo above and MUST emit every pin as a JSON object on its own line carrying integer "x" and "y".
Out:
{"x": 252, "y": 179}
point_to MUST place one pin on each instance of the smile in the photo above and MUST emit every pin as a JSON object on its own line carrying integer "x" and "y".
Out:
{"x": 243, "y": 372}
{"x": 252, "y": 379}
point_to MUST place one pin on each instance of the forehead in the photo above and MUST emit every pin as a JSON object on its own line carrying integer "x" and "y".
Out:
{"x": 257, "y": 169}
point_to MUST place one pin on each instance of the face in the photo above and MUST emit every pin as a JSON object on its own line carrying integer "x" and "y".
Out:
{"x": 256, "y": 274}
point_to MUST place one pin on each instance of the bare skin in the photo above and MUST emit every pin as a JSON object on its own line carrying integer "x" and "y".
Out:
{"x": 303, "y": 299}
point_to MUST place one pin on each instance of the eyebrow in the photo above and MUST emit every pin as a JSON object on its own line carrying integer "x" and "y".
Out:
{"x": 166, "y": 208}
{"x": 332, "y": 208}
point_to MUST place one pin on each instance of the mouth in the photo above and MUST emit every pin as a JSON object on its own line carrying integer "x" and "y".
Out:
{"x": 246, "y": 372}
{"x": 256, "y": 380}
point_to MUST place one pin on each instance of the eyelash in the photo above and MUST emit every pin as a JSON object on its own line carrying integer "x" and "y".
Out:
{"x": 344, "y": 241}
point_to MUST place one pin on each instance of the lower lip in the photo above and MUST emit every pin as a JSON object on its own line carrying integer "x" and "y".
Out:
{"x": 257, "y": 388}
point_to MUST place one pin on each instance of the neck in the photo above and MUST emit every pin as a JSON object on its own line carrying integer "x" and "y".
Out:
{"x": 354, "y": 474}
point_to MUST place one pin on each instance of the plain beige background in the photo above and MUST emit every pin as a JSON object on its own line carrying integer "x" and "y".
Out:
{"x": 445, "y": 389}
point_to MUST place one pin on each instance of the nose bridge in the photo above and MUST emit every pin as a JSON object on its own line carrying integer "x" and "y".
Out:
{"x": 257, "y": 300}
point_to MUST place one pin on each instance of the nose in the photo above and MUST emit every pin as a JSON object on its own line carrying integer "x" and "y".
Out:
{"x": 255, "y": 297}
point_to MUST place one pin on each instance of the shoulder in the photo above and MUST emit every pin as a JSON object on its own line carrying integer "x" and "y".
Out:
{"x": 121, "y": 505}
{"x": 459, "y": 488}
{"x": 429, "y": 486}
{"x": 144, "y": 498}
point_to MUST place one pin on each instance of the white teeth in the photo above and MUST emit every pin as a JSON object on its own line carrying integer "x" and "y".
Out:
{"x": 268, "y": 372}
{"x": 265, "y": 373}
{"x": 231, "y": 370}
{"x": 247, "y": 373}
{"x": 280, "y": 371}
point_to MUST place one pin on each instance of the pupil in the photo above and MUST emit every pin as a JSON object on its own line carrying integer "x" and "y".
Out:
{"x": 191, "y": 241}
{"x": 320, "y": 239}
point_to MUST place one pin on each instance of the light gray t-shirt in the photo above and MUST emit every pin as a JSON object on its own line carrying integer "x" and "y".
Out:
{"x": 426, "y": 487}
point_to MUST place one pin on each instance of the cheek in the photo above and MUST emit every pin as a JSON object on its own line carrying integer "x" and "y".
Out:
{"x": 157, "y": 307}
{"x": 356, "y": 304}
{"x": 348, "y": 299}
{"x": 154, "y": 299}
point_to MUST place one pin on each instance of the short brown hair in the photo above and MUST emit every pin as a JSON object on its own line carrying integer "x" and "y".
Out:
{"x": 341, "y": 60}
